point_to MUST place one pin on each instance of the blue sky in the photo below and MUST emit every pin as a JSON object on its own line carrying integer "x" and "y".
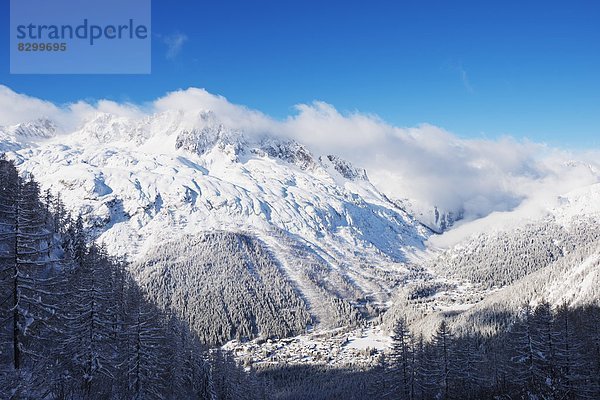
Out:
{"x": 476, "y": 68}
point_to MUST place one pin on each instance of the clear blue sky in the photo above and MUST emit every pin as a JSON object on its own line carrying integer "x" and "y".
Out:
{"x": 477, "y": 68}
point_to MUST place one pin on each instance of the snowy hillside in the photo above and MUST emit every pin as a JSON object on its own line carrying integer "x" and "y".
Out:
{"x": 572, "y": 281}
{"x": 222, "y": 285}
{"x": 482, "y": 282}
{"x": 141, "y": 183}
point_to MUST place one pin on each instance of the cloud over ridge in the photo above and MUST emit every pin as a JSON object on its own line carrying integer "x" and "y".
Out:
{"x": 426, "y": 164}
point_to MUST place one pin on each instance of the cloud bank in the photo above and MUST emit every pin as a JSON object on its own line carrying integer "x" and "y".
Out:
{"x": 426, "y": 164}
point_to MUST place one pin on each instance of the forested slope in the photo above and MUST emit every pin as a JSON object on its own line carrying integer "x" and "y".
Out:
{"x": 74, "y": 324}
{"x": 497, "y": 259}
{"x": 224, "y": 285}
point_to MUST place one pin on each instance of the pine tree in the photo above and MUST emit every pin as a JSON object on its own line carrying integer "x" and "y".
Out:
{"x": 442, "y": 350}
{"x": 589, "y": 335}
{"x": 10, "y": 188}
{"x": 91, "y": 321}
{"x": 469, "y": 365}
{"x": 9, "y": 333}
{"x": 28, "y": 276}
{"x": 545, "y": 346}
{"x": 147, "y": 363}
{"x": 378, "y": 387}
{"x": 523, "y": 347}
{"x": 420, "y": 368}
{"x": 400, "y": 359}
{"x": 568, "y": 354}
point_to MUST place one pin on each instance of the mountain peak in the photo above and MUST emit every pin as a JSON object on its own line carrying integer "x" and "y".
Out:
{"x": 41, "y": 128}
{"x": 346, "y": 169}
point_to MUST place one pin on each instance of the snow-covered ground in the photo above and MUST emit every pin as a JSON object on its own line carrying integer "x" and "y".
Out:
{"x": 338, "y": 347}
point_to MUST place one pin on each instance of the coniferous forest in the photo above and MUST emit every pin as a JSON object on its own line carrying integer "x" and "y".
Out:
{"x": 75, "y": 325}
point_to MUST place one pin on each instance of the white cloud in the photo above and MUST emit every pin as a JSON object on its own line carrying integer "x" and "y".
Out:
{"x": 425, "y": 163}
{"x": 16, "y": 107}
{"x": 234, "y": 116}
{"x": 174, "y": 44}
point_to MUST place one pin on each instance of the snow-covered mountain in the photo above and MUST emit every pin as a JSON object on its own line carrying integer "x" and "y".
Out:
{"x": 142, "y": 183}
{"x": 148, "y": 184}
{"x": 26, "y": 133}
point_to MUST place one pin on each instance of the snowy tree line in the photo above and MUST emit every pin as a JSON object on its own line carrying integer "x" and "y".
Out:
{"x": 74, "y": 324}
{"x": 573, "y": 279}
{"x": 514, "y": 343}
{"x": 500, "y": 258}
{"x": 546, "y": 353}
